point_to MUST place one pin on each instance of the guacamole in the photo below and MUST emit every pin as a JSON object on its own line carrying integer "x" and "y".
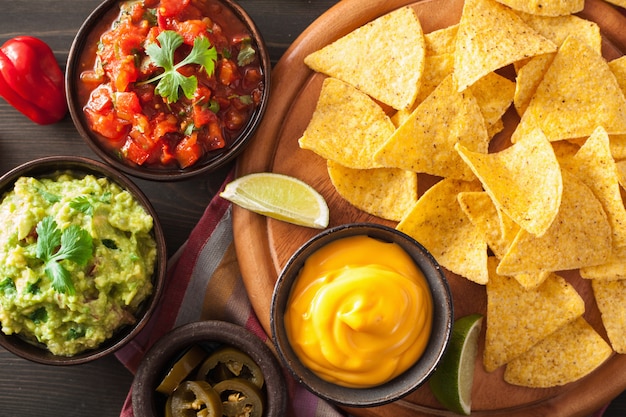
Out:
{"x": 76, "y": 260}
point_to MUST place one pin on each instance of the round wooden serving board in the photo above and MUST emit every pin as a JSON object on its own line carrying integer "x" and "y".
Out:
{"x": 264, "y": 245}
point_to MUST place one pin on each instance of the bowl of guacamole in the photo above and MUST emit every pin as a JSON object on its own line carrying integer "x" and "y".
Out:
{"x": 82, "y": 260}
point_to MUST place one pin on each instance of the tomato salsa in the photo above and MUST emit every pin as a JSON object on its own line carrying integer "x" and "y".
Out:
{"x": 167, "y": 82}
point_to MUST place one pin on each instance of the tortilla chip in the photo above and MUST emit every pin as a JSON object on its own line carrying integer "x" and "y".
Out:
{"x": 497, "y": 229}
{"x": 581, "y": 94}
{"x": 557, "y": 29}
{"x": 532, "y": 280}
{"x": 479, "y": 208}
{"x": 528, "y": 78}
{"x": 437, "y": 68}
{"x": 618, "y": 68}
{"x": 594, "y": 165}
{"x": 441, "y": 41}
{"x": 580, "y": 236}
{"x": 546, "y": 7}
{"x": 353, "y": 138}
{"x": 359, "y": 58}
{"x": 523, "y": 180}
{"x": 438, "y": 223}
{"x": 495, "y": 128}
{"x": 611, "y": 299}
{"x": 425, "y": 141}
{"x": 613, "y": 269}
{"x": 570, "y": 353}
{"x": 618, "y": 146}
{"x": 388, "y": 193}
{"x": 491, "y": 36}
{"x": 494, "y": 95}
{"x": 518, "y": 318}
{"x": 530, "y": 72}
{"x": 621, "y": 172}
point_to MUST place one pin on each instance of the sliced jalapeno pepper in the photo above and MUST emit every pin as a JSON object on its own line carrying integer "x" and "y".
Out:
{"x": 195, "y": 399}
{"x": 181, "y": 369}
{"x": 240, "y": 398}
{"x": 168, "y": 407}
{"x": 226, "y": 363}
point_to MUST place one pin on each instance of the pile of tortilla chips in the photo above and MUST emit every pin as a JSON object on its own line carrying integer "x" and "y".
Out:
{"x": 510, "y": 210}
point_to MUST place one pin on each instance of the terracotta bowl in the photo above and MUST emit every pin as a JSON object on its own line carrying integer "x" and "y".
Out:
{"x": 147, "y": 402}
{"x": 48, "y": 167}
{"x": 83, "y": 45}
{"x": 406, "y": 382}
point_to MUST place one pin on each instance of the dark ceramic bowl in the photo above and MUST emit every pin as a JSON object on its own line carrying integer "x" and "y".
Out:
{"x": 84, "y": 44}
{"x": 49, "y": 167}
{"x": 406, "y": 382}
{"x": 147, "y": 402}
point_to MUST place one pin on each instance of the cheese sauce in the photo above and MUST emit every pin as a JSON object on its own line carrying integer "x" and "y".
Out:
{"x": 360, "y": 312}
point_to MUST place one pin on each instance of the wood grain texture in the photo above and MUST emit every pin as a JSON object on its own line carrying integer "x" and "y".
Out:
{"x": 264, "y": 245}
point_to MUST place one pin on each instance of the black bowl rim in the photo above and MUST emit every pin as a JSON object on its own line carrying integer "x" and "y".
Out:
{"x": 221, "y": 157}
{"x": 50, "y": 165}
{"x": 174, "y": 342}
{"x": 403, "y": 384}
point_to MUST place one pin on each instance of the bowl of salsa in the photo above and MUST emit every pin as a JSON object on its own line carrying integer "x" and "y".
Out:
{"x": 361, "y": 315}
{"x": 164, "y": 89}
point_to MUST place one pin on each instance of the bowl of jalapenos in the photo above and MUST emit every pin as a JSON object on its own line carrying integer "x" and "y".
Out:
{"x": 214, "y": 368}
{"x": 166, "y": 90}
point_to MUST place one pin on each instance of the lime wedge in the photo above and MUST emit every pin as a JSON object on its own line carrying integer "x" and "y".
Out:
{"x": 280, "y": 197}
{"x": 452, "y": 381}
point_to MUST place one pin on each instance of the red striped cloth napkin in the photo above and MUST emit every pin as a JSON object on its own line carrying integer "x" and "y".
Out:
{"x": 204, "y": 283}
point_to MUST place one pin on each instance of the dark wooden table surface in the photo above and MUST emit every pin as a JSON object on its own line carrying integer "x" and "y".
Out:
{"x": 99, "y": 388}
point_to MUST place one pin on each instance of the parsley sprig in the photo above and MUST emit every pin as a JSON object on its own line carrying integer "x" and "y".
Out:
{"x": 170, "y": 80}
{"x": 53, "y": 245}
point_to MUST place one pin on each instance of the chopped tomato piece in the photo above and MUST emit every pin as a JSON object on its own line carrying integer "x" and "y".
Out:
{"x": 252, "y": 77}
{"x": 227, "y": 71}
{"x": 92, "y": 77}
{"x": 141, "y": 133}
{"x": 100, "y": 100}
{"x": 215, "y": 137}
{"x": 107, "y": 124}
{"x": 191, "y": 29}
{"x": 134, "y": 152}
{"x": 188, "y": 150}
{"x": 127, "y": 105}
{"x": 202, "y": 115}
{"x": 234, "y": 119}
{"x": 129, "y": 44}
{"x": 124, "y": 73}
{"x": 164, "y": 125}
{"x": 170, "y": 8}
{"x": 136, "y": 13}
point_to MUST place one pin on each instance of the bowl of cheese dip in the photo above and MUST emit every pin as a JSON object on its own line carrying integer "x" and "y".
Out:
{"x": 361, "y": 314}
{"x": 82, "y": 260}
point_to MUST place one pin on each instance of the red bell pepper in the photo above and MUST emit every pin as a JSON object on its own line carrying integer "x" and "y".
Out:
{"x": 31, "y": 79}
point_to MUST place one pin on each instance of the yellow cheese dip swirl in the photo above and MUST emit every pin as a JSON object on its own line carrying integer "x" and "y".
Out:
{"x": 360, "y": 312}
